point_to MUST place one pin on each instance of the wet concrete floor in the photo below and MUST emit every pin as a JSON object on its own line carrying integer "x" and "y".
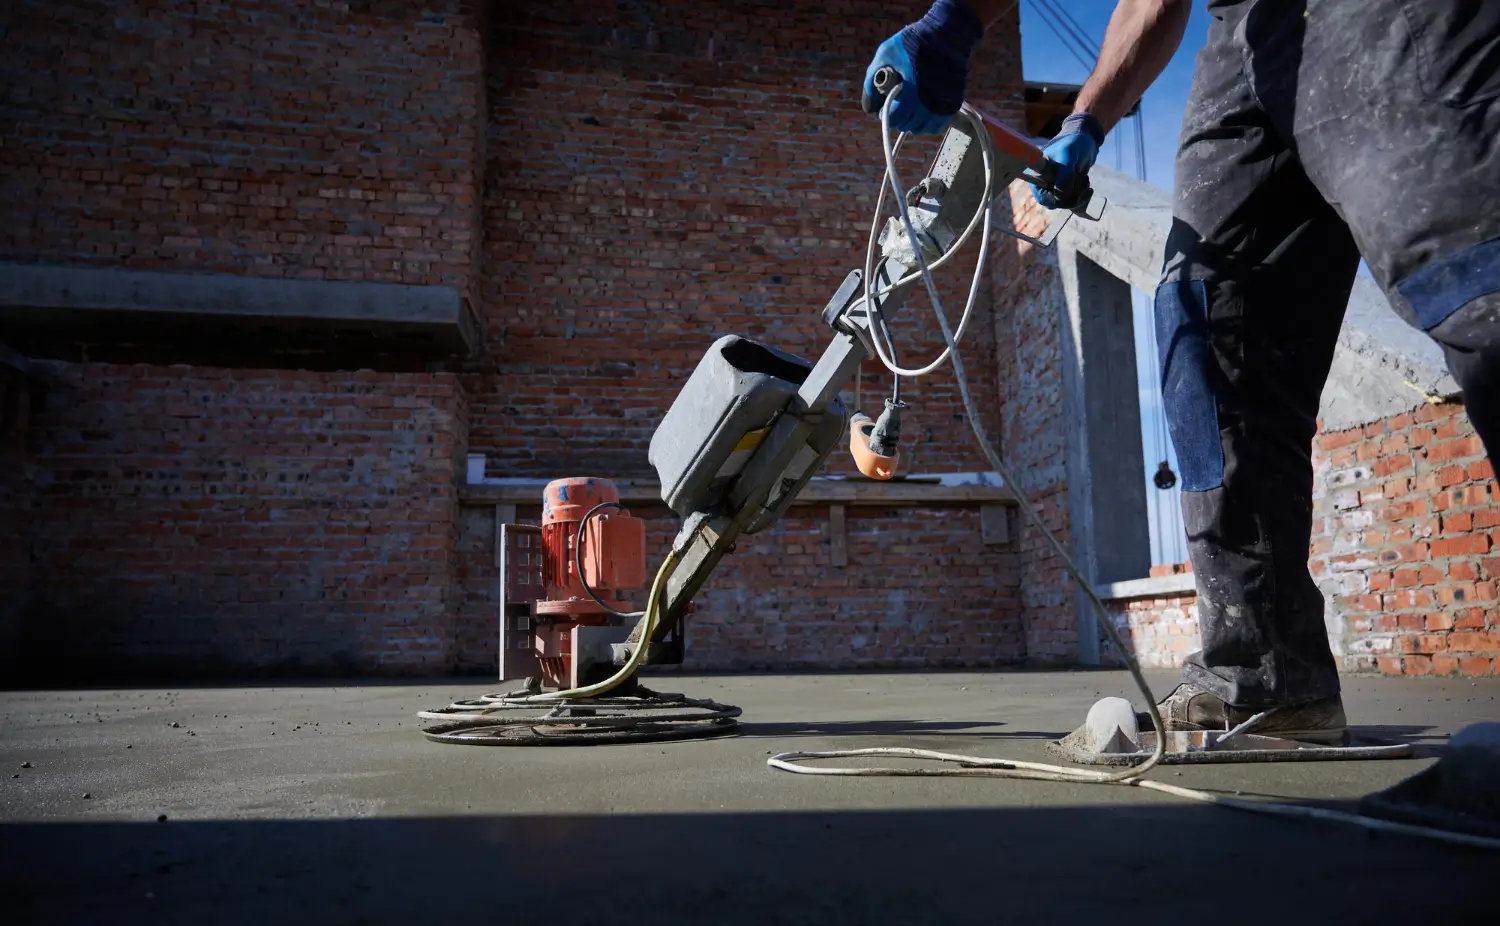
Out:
{"x": 322, "y": 803}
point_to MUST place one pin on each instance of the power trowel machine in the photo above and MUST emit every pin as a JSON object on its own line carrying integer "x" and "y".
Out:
{"x": 750, "y": 427}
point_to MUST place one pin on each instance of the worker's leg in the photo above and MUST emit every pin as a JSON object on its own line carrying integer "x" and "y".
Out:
{"x": 1394, "y": 108}
{"x": 1257, "y": 275}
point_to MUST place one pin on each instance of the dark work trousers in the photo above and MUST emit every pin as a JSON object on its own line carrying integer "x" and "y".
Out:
{"x": 1317, "y": 132}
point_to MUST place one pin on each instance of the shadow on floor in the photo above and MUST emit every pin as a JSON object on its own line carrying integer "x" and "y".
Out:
{"x": 1110, "y": 865}
{"x": 981, "y": 729}
{"x": 1425, "y": 745}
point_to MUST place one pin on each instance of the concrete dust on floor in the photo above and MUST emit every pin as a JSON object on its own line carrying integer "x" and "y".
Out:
{"x": 324, "y": 803}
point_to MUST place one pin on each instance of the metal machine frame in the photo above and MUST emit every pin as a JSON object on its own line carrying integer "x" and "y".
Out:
{"x": 942, "y": 205}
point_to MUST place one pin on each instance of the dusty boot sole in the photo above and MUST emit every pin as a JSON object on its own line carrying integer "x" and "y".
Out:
{"x": 1197, "y": 748}
{"x": 1323, "y": 736}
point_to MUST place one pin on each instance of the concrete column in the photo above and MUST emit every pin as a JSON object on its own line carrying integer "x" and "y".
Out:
{"x": 1110, "y": 532}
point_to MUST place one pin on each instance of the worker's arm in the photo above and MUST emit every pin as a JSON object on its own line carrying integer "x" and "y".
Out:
{"x": 1141, "y": 38}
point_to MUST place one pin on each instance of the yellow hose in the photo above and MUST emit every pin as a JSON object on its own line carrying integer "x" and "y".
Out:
{"x": 653, "y": 608}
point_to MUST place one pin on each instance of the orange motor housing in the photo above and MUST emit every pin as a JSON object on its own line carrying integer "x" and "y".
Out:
{"x": 614, "y": 548}
{"x": 614, "y": 559}
{"x": 874, "y": 465}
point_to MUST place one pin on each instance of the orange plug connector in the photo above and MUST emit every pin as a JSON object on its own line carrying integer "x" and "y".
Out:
{"x": 872, "y": 464}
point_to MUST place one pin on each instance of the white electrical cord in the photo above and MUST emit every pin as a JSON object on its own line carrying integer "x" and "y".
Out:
{"x": 979, "y": 766}
{"x": 879, "y": 332}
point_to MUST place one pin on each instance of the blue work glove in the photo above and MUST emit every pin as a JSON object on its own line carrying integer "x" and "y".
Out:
{"x": 1074, "y": 150}
{"x": 932, "y": 57}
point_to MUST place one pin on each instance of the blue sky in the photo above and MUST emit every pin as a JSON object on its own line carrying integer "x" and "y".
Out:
{"x": 1044, "y": 57}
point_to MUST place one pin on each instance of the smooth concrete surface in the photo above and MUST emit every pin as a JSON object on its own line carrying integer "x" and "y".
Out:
{"x": 323, "y": 804}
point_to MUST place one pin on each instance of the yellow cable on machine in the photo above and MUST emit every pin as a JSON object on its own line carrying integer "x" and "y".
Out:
{"x": 649, "y": 619}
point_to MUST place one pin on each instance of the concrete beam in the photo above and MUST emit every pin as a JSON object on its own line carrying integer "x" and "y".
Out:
{"x": 1106, "y": 502}
{"x": 57, "y": 295}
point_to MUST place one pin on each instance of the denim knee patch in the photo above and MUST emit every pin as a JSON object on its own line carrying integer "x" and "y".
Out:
{"x": 1443, "y": 286}
{"x": 1192, "y": 413}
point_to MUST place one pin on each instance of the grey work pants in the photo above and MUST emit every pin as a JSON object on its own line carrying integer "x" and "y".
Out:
{"x": 1317, "y": 132}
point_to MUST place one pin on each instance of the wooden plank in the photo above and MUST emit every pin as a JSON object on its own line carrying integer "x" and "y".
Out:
{"x": 994, "y": 523}
{"x": 837, "y": 536}
{"x": 818, "y": 492}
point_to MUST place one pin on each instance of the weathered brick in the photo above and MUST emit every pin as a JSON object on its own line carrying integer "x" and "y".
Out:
{"x": 1416, "y": 665}
{"x": 1477, "y": 665}
{"x": 246, "y": 539}
{"x": 1470, "y": 544}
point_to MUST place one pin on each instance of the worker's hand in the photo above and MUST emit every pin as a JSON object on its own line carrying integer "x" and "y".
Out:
{"x": 932, "y": 57}
{"x": 1074, "y": 150}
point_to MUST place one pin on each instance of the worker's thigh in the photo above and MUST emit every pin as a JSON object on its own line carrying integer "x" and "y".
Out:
{"x": 1393, "y": 108}
{"x": 1256, "y": 276}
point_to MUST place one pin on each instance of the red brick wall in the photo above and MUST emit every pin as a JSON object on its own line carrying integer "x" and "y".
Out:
{"x": 1407, "y": 544}
{"x": 1160, "y": 631}
{"x": 921, "y": 589}
{"x": 283, "y": 138}
{"x": 194, "y": 520}
{"x": 665, "y": 173}
{"x": 1406, "y": 547}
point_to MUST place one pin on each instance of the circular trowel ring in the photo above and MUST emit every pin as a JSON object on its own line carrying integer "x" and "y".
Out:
{"x": 520, "y": 733}
{"x": 511, "y": 720}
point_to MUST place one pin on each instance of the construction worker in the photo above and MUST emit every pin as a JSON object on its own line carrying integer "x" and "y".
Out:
{"x": 1316, "y": 131}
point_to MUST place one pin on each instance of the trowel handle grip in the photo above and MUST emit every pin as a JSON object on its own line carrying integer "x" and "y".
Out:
{"x": 886, "y": 81}
{"x": 1072, "y": 194}
{"x": 872, "y": 464}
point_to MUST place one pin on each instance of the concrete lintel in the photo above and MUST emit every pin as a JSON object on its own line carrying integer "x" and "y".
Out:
{"x": 1173, "y": 586}
{"x": 376, "y": 306}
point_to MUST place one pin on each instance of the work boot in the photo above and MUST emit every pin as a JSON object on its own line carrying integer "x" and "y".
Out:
{"x": 1189, "y": 708}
